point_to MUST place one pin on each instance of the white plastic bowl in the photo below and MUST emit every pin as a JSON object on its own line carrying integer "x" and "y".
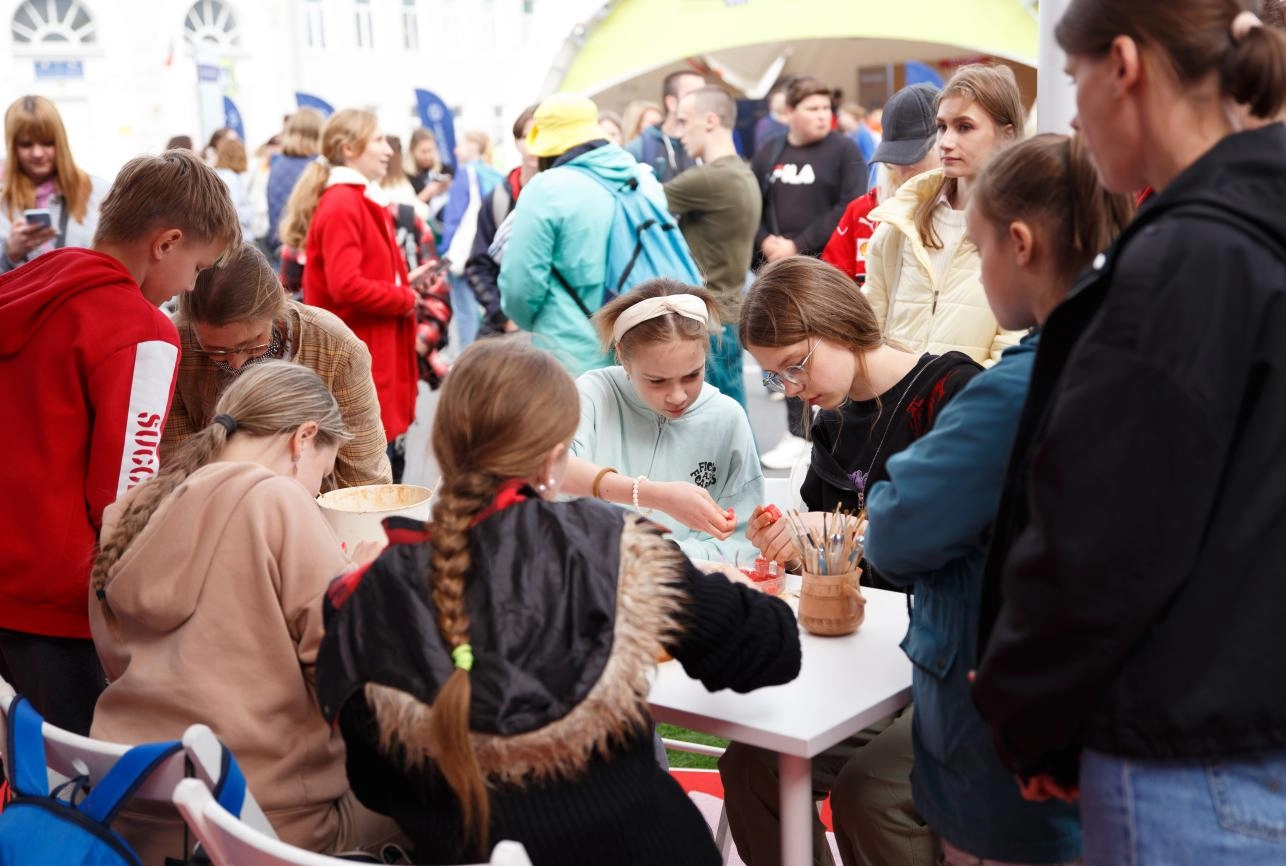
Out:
{"x": 356, "y": 513}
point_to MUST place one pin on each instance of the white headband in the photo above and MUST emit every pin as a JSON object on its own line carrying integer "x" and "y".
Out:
{"x": 683, "y": 305}
{"x": 1243, "y": 24}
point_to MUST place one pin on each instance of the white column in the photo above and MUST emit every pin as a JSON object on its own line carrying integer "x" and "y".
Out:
{"x": 1055, "y": 95}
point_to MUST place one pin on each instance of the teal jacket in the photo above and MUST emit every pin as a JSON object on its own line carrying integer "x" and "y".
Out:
{"x": 562, "y": 221}
{"x": 930, "y": 524}
{"x": 711, "y": 445}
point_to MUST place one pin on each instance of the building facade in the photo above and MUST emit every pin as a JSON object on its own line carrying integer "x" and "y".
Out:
{"x": 128, "y": 74}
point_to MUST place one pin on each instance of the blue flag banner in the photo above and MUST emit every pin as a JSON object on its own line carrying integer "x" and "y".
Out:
{"x": 307, "y": 100}
{"x": 232, "y": 118}
{"x": 921, "y": 73}
{"x": 436, "y": 117}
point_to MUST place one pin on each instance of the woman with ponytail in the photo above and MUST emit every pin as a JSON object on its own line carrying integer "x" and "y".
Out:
{"x": 206, "y": 606}
{"x": 490, "y": 671}
{"x": 1038, "y": 216}
{"x": 338, "y": 215}
{"x": 1133, "y": 594}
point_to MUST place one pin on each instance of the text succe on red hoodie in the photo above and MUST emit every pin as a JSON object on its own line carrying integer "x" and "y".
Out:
{"x": 87, "y": 367}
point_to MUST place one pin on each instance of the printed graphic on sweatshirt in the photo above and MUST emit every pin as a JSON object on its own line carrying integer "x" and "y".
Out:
{"x": 704, "y": 475}
{"x": 794, "y": 175}
{"x": 154, "y": 365}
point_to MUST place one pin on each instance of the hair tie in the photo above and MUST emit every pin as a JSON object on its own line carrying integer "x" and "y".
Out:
{"x": 322, "y": 161}
{"x": 683, "y": 305}
{"x": 101, "y": 593}
{"x": 463, "y": 657}
{"x": 1243, "y": 24}
{"x": 227, "y": 422}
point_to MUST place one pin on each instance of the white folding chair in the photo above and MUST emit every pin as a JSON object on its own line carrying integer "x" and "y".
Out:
{"x": 70, "y": 756}
{"x": 722, "y": 835}
{"x": 230, "y": 842}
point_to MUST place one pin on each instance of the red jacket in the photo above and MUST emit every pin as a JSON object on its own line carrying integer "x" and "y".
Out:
{"x": 354, "y": 268}
{"x": 87, "y": 367}
{"x": 847, "y": 247}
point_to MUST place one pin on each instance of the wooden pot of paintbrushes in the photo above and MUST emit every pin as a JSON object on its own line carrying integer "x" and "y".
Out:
{"x": 830, "y": 600}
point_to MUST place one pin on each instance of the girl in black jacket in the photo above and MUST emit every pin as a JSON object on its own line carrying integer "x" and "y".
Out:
{"x": 815, "y": 336}
{"x": 490, "y": 676}
{"x": 1134, "y": 591}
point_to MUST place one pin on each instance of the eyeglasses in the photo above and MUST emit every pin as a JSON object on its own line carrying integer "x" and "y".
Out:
{"x": 776, "y": 381}
{"x": 243, "y": 352}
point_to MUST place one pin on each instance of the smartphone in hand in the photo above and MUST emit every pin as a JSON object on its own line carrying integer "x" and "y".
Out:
{"x": 39, "y": 217}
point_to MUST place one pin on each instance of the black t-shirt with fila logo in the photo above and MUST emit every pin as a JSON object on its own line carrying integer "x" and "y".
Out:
{"x": 807, "y": 188}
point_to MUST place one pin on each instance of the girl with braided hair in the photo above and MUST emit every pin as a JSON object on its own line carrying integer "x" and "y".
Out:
{"x": 206, "y": 603}
{"x": 489, "y": 672}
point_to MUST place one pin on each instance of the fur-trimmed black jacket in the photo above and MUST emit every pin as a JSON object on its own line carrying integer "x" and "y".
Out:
{"x": 569, "y": 605}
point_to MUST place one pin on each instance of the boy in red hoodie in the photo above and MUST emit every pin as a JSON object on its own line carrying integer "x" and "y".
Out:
{"x": 87, "y": 366}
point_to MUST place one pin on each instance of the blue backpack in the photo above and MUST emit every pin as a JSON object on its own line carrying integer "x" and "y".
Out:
{"x": 643, "y": 242}
{"x": 38, "y": 826}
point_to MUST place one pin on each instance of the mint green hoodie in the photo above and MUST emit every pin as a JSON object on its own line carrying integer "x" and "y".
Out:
{"x": 562, "y": 221}
{"x": 711, "y": 445}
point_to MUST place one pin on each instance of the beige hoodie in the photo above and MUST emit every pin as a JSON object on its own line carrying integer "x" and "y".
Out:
{"x": 219, "y": 609}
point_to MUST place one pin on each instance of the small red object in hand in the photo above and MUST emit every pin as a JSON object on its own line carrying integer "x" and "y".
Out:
{"x": 773, "y": 513}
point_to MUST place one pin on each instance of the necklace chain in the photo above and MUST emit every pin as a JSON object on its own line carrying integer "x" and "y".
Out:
{"x": 866, "y": 479}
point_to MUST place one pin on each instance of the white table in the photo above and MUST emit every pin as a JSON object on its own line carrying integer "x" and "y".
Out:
{"x": 844, "y": 684}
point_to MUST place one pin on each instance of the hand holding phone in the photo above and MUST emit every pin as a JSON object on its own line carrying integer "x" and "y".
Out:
{"x": 38, "y": 217}
{"x": 35, "y": 230}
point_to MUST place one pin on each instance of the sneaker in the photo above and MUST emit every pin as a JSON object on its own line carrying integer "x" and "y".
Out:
{"x": 785, "y": 453}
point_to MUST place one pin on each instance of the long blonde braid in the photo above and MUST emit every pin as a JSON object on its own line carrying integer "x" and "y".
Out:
{"x": 504, "y": 408}
{"x": 268, "y": 399}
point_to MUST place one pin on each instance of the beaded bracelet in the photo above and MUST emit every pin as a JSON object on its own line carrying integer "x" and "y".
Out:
{"x": 596, "y": 488}
{"x": 637, "y": 482}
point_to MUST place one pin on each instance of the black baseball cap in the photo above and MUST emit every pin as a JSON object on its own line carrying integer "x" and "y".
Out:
{"x": 910, "y": 125}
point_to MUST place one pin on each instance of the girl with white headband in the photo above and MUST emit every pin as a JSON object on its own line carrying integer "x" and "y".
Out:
{"x": 655, "y": 436}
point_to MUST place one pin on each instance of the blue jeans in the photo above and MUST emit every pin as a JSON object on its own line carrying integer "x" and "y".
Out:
{"x": 1197, "y": 812}
{"x": 464, "y": 313}
{"x": 723, "y": 364}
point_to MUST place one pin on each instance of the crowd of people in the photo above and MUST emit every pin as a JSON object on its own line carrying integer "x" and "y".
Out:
{"x": 1044, "y": 369}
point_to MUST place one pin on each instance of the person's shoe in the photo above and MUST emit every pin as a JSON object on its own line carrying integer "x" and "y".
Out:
{"x": 786, "y": 452}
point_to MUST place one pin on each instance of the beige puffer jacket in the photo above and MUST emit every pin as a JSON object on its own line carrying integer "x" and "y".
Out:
{"x": 916, "y": 313}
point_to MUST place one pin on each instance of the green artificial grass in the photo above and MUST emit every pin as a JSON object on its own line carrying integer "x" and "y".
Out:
{"x": 688, "y": 760}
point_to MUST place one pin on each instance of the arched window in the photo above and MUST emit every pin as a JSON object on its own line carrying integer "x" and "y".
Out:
{"x": 212, "y": 22}
{"x": 38, "y": 22}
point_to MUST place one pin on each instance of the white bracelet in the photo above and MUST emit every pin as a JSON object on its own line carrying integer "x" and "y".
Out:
{"x": 637, "y": 482}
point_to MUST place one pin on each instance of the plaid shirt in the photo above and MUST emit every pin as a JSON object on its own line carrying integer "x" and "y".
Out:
{"x": 322, "y": 343}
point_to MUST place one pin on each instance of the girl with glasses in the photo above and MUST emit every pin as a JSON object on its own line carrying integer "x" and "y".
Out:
{"x": 238, "y": 316}
{"x": 816, "y": 337}
{"x": 654, "y": 434}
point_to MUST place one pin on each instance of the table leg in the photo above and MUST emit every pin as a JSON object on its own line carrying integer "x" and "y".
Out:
{"x": 796, "y": 780}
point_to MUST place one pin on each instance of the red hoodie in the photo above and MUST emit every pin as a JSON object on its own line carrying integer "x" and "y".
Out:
{"x": 848, "y": 245}
{"x": 87, "y": 367}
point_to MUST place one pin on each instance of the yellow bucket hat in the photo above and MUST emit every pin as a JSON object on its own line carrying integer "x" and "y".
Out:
{"x": 561, "y": 122}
